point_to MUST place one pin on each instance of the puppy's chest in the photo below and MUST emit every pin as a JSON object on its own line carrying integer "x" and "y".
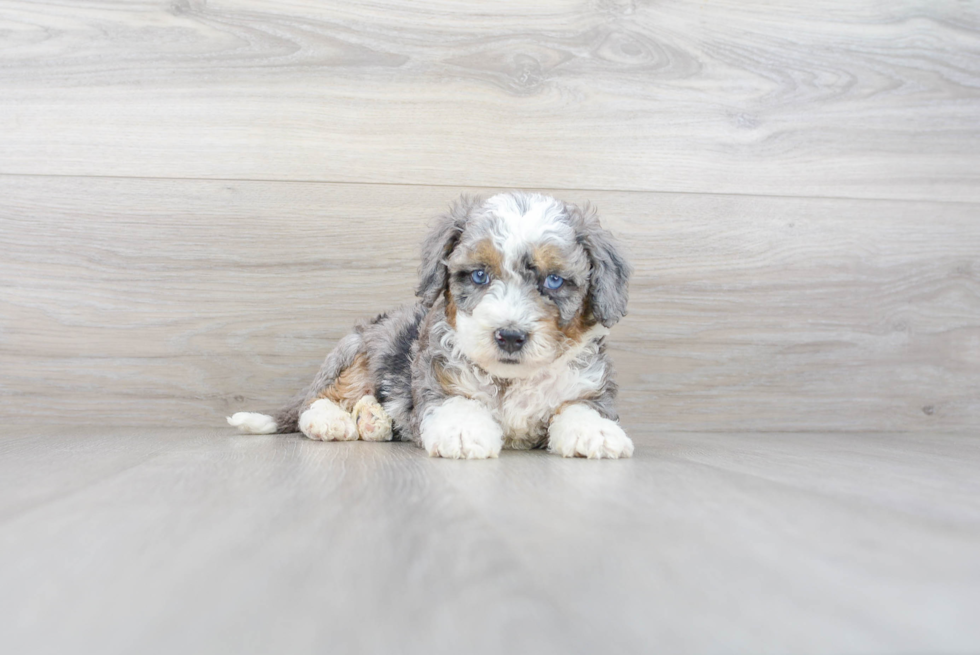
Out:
{"x": 525, "y": 406}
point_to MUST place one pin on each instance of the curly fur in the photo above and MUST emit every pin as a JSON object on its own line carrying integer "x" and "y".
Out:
{"x": 438, "y": 370}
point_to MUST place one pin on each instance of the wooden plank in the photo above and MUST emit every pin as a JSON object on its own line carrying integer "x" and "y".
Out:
{"x": 217, "y": 544}
{"x": 878, "y": 100}
{"x": 162, "y": 540}
{"x": 134, "y": 302}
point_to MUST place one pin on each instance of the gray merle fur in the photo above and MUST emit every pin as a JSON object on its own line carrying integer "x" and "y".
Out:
{"x": 404, "y": 346}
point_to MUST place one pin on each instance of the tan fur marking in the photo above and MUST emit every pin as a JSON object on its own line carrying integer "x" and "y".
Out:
{"x": 582, "y": 323}
{"x": 484, "y": 252}
{"x": 450, "y": 309}
{"x": 448, "y": 381}
{"x": 547, "y": 258}
{"x": 353, "y": 383}
{"x": 574, "y": 331}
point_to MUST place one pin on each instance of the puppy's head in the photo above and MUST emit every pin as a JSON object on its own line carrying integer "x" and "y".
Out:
{"x": 526, "y": 278}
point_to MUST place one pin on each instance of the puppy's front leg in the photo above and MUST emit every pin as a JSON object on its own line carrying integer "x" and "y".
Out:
{"x": 461, "y": 428}
{"x": 579, "y": 431}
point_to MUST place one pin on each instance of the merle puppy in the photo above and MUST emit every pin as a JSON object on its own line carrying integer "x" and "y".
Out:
{"x": 504, "y": 349}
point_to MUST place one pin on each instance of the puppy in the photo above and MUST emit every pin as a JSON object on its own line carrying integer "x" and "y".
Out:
{"x": 504, "y": 349}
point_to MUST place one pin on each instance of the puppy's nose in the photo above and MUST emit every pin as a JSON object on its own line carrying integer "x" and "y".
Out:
{"x": 510, "y": 340}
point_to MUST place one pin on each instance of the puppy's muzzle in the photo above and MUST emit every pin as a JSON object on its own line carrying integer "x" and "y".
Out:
{"x": 510, "y": 341}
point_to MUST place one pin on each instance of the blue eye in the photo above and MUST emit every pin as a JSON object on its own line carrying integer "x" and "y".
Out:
{"x": 553, "y": 282}
{"x": 479, "y": 277}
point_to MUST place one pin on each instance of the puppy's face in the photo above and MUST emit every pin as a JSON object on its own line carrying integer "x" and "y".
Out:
{"x": 526, "y": 279}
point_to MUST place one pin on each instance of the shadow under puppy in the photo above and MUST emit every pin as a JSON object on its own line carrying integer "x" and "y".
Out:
{"x": 505, "y": 348}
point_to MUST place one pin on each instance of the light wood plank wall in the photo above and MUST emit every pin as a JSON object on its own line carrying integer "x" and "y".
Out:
{"x": 197, "y": 198}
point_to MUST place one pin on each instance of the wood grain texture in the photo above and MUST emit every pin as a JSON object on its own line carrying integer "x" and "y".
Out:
{"x": 829, "y": 98}
{"x": 134, "y": 302}
{"x": 197, "y": 541}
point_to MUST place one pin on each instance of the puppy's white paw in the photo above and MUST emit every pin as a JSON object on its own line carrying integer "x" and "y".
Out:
{"x": 325, "y": 420}
{"x": 579, "y": 431}
{"x": 373, "y": 422}
{"x": 461, "y": 428}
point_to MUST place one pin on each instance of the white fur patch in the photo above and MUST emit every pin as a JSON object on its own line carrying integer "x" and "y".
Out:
{"x": 504, "y": 305}
{"x": 325, "y": 420}
{"x": 579, "y": 431}
{"x": 253, "y": 423}
{"x": 538, "y": 223}
{"x": 461, "y": 428}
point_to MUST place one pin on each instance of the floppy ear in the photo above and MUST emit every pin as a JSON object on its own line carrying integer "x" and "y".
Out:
{"x": 610, "y": 274}
{"x": 438, "y": 245}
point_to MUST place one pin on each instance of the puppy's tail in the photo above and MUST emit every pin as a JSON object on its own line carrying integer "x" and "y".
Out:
{"x": 253, "y": 423}
{"x": 285, "y": 420}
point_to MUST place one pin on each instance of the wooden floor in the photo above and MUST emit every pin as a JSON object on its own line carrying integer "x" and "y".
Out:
{"x": 203, "y": 541}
